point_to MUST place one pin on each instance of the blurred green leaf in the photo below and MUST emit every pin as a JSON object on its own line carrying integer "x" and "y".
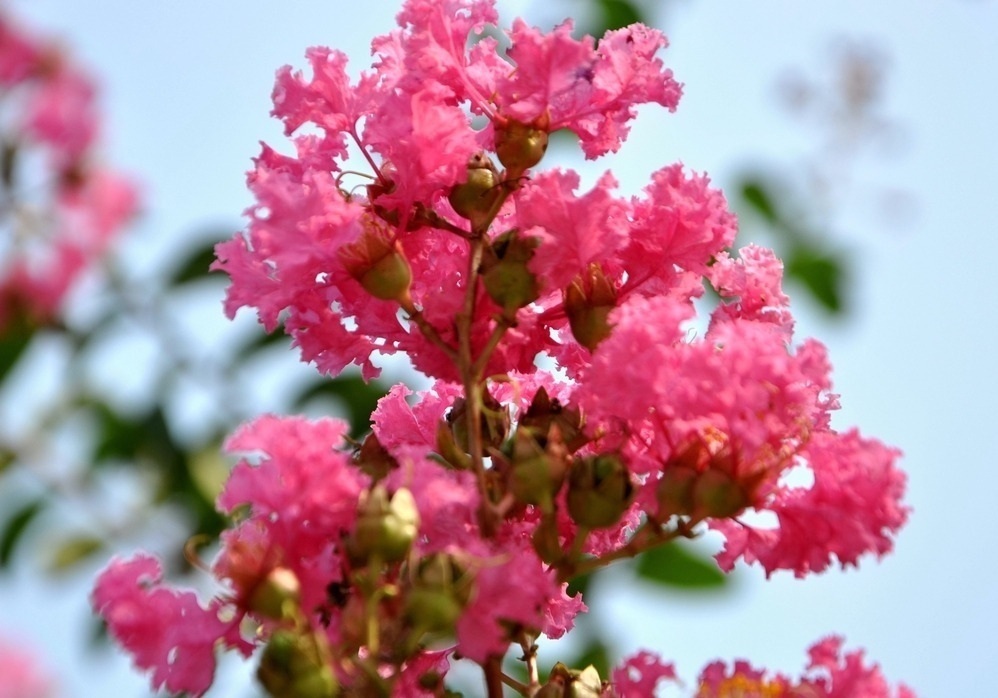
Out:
{"x": 674, "y": 565}
{"x": 73, "y": 550}
{"x": 357, "y": 397}
{"x": 196, "y": 265}
{"x": 616, "y": 14}
{"x": 259, "y": 341}
{"x": 595, "y": 653}
{"x": 755, "y": 194}
{"x": 15, "y": 527}
{"x": 579, "y": 585}
{"x": 821, "y": 272}
{"x": 14, "y": 339}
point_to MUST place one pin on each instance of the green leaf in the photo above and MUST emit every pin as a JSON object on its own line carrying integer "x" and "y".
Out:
{"x": 674, "y": 565}
{"x": 595, "y": 653}
{"x": 357, "y": 397}
{"x": 72, "y": 551}
{"x": 756, "y": 195}
{"x": 823, "y": 274}
{"x": 193, "y": 267}
{"x": 617, "y": 14}
{"x": 14, "y": 339}
{"x": 13, "y": 530}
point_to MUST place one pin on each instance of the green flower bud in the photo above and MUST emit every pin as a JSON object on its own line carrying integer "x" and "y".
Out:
{"x": 385, "y": 529}
{"x": 494, "y": 420}
{"x": 291, "y": 667}
{"x": 588, "y": 302}
{"x": 475, "y": 198}
{"x": 717, "y": 495}
{"x": 585, "y": 684}
{"x": 507, "y": 279}
{"x": 440, "y": 590}
{"x": 278, "y": 596}
{"x": 520, "y": 146}
{"x": 547, "y": 542}
{"x": 448, "y": 450}
{"x": 599, "y": 490}
{"x": 545, "y": 414}
{"x": 377, "y": 262}
{"x": 373, "y": 459}
{"x": 675, "y": 491}
{"x": 537, "y": 474}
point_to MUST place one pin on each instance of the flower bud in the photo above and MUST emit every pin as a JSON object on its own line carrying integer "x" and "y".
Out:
{"x": 536, "y": 473}
{"x": 507, "y": 279}
{"x": 292, "y": 667}
{"x": 385, "y": 529}
{"x": 440, "y": 590}
{"x": 520, "y": 146}
{"x": 278, "y": 596}
{"x": 546, "y": 413}
{"x": 599, "y": 490}
{"x": 585, "y": 684}
{"x": 494, "y": 420}
{"x": 373, "y": 459}
{"x": 571, "y": 683}
{"x": 588, "y": 302}
{"x": 377, "y": 262}
{"x": 547, "y": 542}
{"x": 476, "y": 197}
{"x": 675, "y": 491}
{"x": 717, "y": 495}
{"x": 448, "y": 450}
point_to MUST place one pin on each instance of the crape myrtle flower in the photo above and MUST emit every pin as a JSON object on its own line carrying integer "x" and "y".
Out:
{"x": 63, "y": 209}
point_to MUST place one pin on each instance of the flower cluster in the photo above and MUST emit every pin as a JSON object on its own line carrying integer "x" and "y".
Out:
{"x": 59, "y": 207}
{"x": 23, "y": 677}
{"x": 453, "y": 529}
{"x": 829, "y": 674}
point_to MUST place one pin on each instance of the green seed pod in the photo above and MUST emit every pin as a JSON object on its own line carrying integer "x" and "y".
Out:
{"x": 599, "y": 491}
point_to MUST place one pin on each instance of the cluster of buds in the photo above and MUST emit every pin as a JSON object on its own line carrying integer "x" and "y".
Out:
{"x": 453, "y": 530}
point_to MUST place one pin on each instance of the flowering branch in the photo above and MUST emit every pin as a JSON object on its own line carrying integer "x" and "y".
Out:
{"x": 452, "y": 531}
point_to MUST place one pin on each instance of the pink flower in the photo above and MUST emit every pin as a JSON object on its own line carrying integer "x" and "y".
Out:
{"x": 852, "y": 508}
{"x": 77, "y": 207}
{"x": 639, "y": 675}
{"x": 829, "y": 674}
{"x": 166, "y": 631}
{"x": 752, "y": 286}
{"x": 20, "y": 54}
{"x": 512, "y": 588}
{"x": 22, "y": 676}
{"x": 574, "y": 231}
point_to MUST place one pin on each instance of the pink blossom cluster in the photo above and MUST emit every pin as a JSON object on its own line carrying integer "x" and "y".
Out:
{"x": 829, "y": 674}
{"x": 60, "y": 207}
{"x": 21, "y": 676}
{"x": 453, "y": 529}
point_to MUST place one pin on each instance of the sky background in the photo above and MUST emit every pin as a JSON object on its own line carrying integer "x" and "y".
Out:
{"x": 186, "y": 89}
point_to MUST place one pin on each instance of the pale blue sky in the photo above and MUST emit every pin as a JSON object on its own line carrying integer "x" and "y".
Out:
{"x": 186, "y": 89}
